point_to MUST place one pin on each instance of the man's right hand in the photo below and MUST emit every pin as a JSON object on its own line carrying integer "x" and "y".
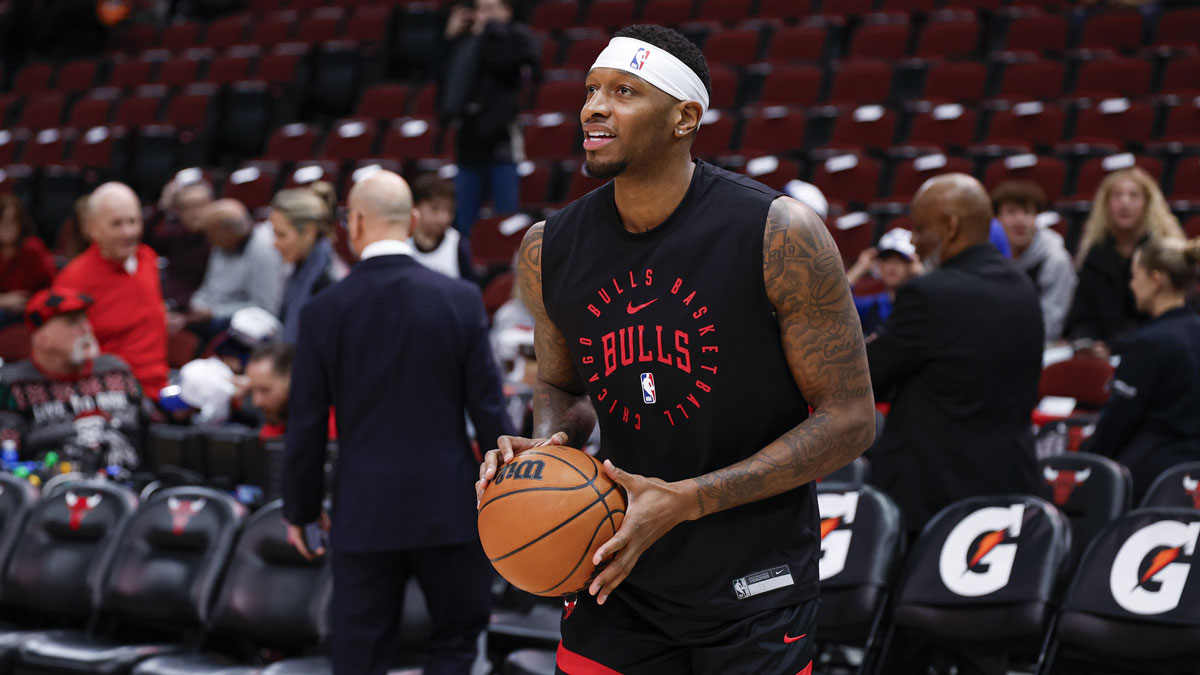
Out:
{"x": 508, "y": 447}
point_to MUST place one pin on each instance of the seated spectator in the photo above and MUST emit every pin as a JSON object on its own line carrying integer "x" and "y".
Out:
{"x": 1151, "y": 421}
{"x": 204, "y": 395}
{"x": 1128, "y": 209}
{"x": 26, "y": 267}
{"x": 437, "y": 244}
{"x": 895, "y": 262}
{"x": 121, "y": 274}
{"x": 244, "y": 269}
{"x": 249, "y": 329}
{"x": 269, "y": 375}
{"x": 179, "y": 237}
{"x": 1038, "y": 252}
{"x": 68, "y": 397}
{"x": 303, "y": 219}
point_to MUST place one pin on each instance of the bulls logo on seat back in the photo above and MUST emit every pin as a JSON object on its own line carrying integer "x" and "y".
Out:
{"x": 76, "y": 528}
{"x": 1178, "y": 486}
{"x": 271, "y": 594}
{"x": 1090, "y": 490}
{"x": 982, "y": 571}
{"x": 1135, "y": 600}
{"x": 860, "y": 540}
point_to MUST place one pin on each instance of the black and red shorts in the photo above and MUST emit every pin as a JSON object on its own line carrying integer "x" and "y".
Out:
{"x": 624, "y": 638}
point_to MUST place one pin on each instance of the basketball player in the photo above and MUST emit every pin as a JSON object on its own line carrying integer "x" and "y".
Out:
{"x": 697, "y": 314}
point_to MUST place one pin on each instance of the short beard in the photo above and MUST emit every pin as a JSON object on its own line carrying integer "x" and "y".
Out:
{"x": 83, "y": 350}
{"x": 605, "y": 171}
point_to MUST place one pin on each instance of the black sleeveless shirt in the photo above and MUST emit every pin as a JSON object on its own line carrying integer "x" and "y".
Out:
{"x": 674, "y": 336}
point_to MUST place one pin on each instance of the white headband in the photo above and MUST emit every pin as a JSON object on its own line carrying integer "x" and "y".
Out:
{"x": 656, "y": 66}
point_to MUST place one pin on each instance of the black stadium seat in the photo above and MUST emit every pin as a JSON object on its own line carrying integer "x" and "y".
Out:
{"x": 854, "y": 473}
{"x": 1177, "y": 487}
{"x": 155, "y": 591}
{"x": 16, "y": 498}
{"x": 1091, "y": 490}
{"x": 1134, "y": 605}
{"x": 77, "y": 528}
{"x": 981, "y": 576}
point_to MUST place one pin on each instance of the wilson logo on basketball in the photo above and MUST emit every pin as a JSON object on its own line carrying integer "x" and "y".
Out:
{"x": 670, "y": 355}
{"x": 527, "y": 470}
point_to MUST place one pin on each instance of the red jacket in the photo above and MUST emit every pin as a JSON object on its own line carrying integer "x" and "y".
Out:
{"x": 128, "y": 315}
{"x": 31, "y": 270}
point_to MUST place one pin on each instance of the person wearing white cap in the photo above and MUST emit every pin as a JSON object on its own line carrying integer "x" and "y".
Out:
{"x": 895, "y": 262}
{"x": 696, "y": 315}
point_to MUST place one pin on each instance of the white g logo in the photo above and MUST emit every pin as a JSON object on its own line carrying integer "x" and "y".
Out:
{"x": 835, "y": 544}
{"x": 1132, "y": 590}
{"x": 962, "y": 568}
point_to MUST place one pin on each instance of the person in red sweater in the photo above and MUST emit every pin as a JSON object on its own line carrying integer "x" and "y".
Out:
{"x": 26, "y": 267}
{"x": 121, "y": 274}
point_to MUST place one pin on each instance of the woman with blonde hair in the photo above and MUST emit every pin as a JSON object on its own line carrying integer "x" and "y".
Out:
{"x": 303, "y": 219}
{"x": 1128, "y": 210}
{"x": 1150, "y": 422}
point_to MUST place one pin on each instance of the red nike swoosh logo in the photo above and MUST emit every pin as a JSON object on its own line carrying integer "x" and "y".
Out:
{"x": 634, "y": 310}
{"x": 787, "y": 640}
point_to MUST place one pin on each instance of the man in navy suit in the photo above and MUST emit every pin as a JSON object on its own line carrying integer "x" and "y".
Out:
{"x": 399, "y": 351}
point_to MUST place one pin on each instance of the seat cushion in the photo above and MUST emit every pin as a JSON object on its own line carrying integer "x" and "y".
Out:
{"x": 999, "y": 625}
{"x": 72, "y": 651}
{"x": 314, "y": 666}
{"x": 1087, "y": 635}
{"x": 529, "y": 662}
{"x": 193, "y": 664}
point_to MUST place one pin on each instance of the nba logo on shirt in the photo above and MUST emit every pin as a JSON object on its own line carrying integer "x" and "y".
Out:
{"x": 639, "y": 58}
{"x": 648, "y": 394}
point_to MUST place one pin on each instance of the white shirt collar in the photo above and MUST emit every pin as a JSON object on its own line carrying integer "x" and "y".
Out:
{"x": 386, "y": 247}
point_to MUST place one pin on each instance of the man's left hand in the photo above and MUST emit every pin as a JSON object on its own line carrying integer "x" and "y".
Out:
{"x": 295, "y": 537}
{"x": 655, "y": 506}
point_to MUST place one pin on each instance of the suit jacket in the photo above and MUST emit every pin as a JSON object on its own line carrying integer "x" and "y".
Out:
{"x": 959, "y": 359}
{"x": 400, "y": 351}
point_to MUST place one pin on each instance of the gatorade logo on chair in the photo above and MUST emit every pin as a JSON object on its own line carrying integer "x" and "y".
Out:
{"x": 977, "y": 558}
{"x": 836, "y": 509}
{"x": 1148, "y": 574}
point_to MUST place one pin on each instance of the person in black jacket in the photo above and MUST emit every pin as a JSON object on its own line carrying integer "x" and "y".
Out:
{"x": 1129, "y": 209}
{"x": 1152, "y": 420}
{"x": 959, "y": 358}
{"x": 489, "y": 56}
{"x": 400, "y": 351}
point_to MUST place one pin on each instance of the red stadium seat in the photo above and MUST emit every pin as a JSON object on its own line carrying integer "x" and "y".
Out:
{"x": 960, "y": 81}
{"x": 724, "y": 86}
{"x": 773, "y": 130}
{"x": 77, "y": 75}
{"x": 786, "y": 10}
{"x": 725, "y": 11}
{"x": 490, "y": 246}
{"x": 180, "y": 36}
{"x": 253, "y": 184}
{"x": 861, "y": 81}
{"x": 909, "y": 6}
{"x": 911, "y": 173}
{"x": 848, "y": 178}
{"x": 97, "y": 147}
{"x": 1048, "y": 172}
{"x": 42, "y": 111}
{"x": 227, "y": 32}
{"x": 1031, "y": 122}
{"x": 1179, "y": 28}
{"x": 553, "y": 136}
{"x": 975, "y": 5}
{"x": 1119, "y": 121}
{"x": 15, "y": 342}
{"x": 582, "y": 53}
{"x": 274, "y": 28}
{"x": 733, "y": 47}
{"x": 1082, "y": 378}
{"x": 797, "y": 84}
{"x": 667, "y": 12}
{"x": 193, "y": 108}
{"x": 715, "y": 135}
{"x": 350, "y": 139}
{"x": 771, "y": 171}
{"x": 292, "y": 142}
{"x": 535, "y": 184}
{"x": 1183, "y": 122}
{"x": 282, "y": 65}
{"x": 232, "y": 67}
{"x": 1039, "y": 33}
{"x": 797, "y": 43}
{"x": 560, "y": 96}
{"x": 555, "y": 15}
{"x": 130, "y": 74}
{"x": 610, "y": 14}
{"x": 368, "y": 25}
{"x": 181, "y": 348}
{"x": 10, "y": 145}
{"x": 957, "y": 38}
{"x": 383, "y": 100}
{"x": 1106, "y": 78}
{"x": 32, "y": 78}
{"x": 1032, "y": 80}
{"x": 880, "y": 41}
{"x": 312, "y": 170}
{"x": 1093, "y": 171}
{"x": 868, "y": 127}
{"x": 90, "y": 112}
{"x": 410, "y": 138}
{"x": 949, "y": 125}
{"x": 425, "y": 101}
{"x": 852, "y": 233}
{"x": 579, "y": 183}
{"x": 1181, "y": 76}
{"x": 1115, "y": 30}
{"x": 142, "y": 107}
{"x": 847, "y": 8}
{"x": 48, "y": 146}
{"x": 1186, "y": 185}
{"x": 317, "y": 30}
{"x": 182, "y": 71}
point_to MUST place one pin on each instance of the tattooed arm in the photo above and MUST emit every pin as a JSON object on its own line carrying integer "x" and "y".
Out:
{"x": 562, "y": 412}
{"x": 823, "y": 343}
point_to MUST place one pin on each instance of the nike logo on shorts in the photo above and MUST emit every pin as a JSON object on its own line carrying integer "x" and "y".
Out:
{"x": 787, "y": 639}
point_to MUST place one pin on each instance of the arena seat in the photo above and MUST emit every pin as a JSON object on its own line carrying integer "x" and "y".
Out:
{"x": 274, "y": 28}
{"x": 32, "y": 78}
{"x": 848, "y": 178}
{"x": 860, "y": 81}
{"x": 1048, "y": 172}
{"x": 156, "y": 590}
{"x": 1179, "y": 28}
{"x": 410, "y": 137}
{"x": 101, "y": 148}
{"x": 956, "y": 81}
{"x": 552, "y": 136}
{"x": 558, "y": 15}
{"x": 78, "y": 529}
{"x": 610, "y": 14}
{"x": 130, "y": 74}
{"x": 1118, "y": 121}
{"x": 93, "y": 110}
{"x": 771, "y": 170}
{"x": 910, "y": 174}
{"x": 1032, "y": 80}
{"x": 337, "y": 77}
{"x": 270, "y": 598}
{"x": 1093, "y": 170}
{"x": 142, "y": 107}
{"x": 1038, "y": 33}
{"x": 48, "y": 146}
{"x": 383, "y": 100}
{"x": 956, "y": 38}
{"x": 1177, "y": 487}
{"x": 948, "y": 125}
{"x": 351, "y": 138}
{"x": 1133, "y": 606}
{"x": 798, "y": 43}
{"x": 867, "y": 127}
{"x": 292, "y": 142}
{"x": 1113, "y": 78}
{"x": 253, "y": 184}
{"x": 794, "y": 84}
{"x": 368, "y": 25}
{"x": 43, "y": 110}
{"x": 1114, "y": 30}
{"x": 227, "y": 31}
{"x": 17, "y": 497}
{"x": 773, "y": 129}
{"x": 1082, "y": 378}
{"x": 77, "y": 76}
{"x": 1183, "y": 121}
{"x": 860, "y": 543}
{"x": 733, "y": 47}
{"x": 1091, "y": 490}
{"x": 308, "y": 171}
{"x": 982, "y": 574}
{"x": 180, "y": 36}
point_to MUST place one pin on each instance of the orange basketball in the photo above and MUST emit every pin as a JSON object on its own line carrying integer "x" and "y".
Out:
{"x": 544, "y": 515}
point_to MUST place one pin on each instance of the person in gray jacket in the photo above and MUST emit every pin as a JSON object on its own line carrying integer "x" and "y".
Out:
{"x": 1038, "y": 252}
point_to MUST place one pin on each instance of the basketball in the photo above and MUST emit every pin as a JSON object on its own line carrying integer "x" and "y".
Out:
{"x": 543, "y": 516}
